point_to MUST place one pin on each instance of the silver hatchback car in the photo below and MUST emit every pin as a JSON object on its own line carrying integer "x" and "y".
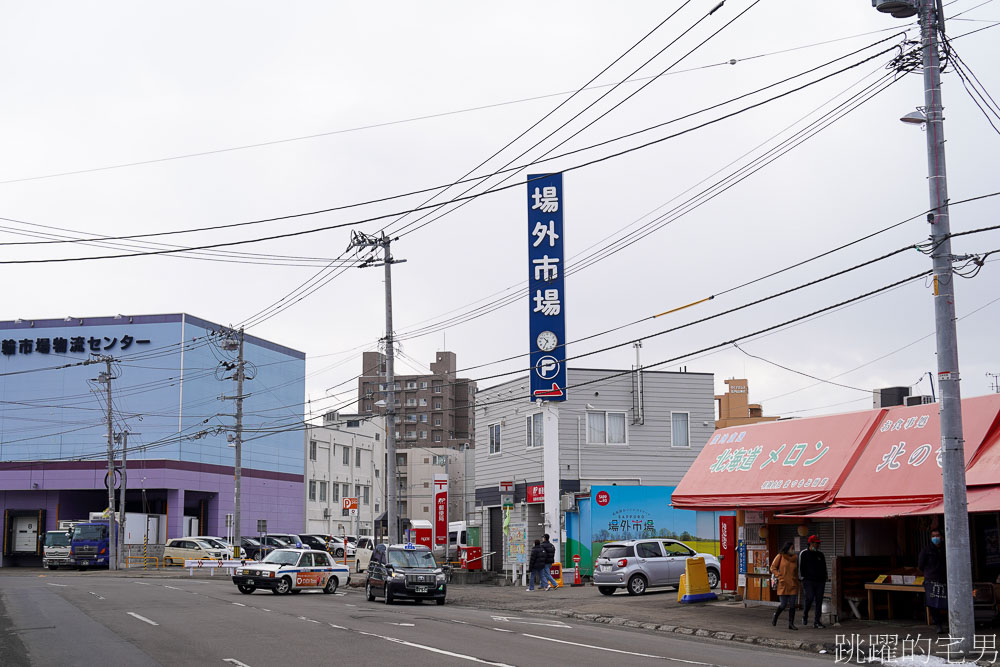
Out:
{"x": 636, "y": 565}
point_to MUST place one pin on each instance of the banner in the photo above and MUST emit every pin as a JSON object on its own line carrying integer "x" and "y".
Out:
{"x": 546, "y": 287}
{"x": 440, "y": 510}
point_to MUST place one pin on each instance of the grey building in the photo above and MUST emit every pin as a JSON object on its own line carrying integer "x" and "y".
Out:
{"x": 617, "y": 427}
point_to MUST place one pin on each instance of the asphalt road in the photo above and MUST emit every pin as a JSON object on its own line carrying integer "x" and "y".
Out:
{"x": 87, "y": 620}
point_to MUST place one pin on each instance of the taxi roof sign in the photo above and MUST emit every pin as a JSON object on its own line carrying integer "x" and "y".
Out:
{"x": 409, "y": 545}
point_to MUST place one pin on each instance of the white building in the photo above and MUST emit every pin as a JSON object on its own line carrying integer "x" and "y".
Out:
{"x": 345, "y": 457}
{"x": 416, "y": 468}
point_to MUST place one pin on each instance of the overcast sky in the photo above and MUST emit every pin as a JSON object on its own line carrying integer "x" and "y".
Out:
{"x": 93, "y": 85}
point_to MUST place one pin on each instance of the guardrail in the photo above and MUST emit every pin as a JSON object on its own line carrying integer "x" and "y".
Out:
{"x": 155, "y": 560}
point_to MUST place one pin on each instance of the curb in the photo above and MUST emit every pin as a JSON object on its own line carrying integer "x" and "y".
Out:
{"x": 770, "y": 642}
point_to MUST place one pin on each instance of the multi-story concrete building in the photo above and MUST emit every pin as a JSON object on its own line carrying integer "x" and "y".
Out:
{"x": 433, "y": 423}
{"x": 345, "y": 458}
{"x": 735, "y": 408}
{"x": 616, "y": 428}
{"x": 430, "y": 410}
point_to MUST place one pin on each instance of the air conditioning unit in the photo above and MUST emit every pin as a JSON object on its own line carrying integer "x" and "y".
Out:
{"x": 918, "y": 400}
{"x": 326, "y": 513}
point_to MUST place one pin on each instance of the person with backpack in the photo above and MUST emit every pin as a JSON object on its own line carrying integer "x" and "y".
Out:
{"x": 812, "y": 571}
{"x": 550, "y": 558}
{"x": 536, "y": 563}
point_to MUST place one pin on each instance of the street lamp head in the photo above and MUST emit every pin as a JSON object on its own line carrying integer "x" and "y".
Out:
{"x": 380, "y": 404}
{"x": 917, "y": 117}
{"x": 900, "y": 9}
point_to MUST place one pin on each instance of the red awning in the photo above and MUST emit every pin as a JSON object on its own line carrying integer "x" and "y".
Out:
{"x": 899, "y": 465}
{"x": 783, "y": 464}
{"x": 981, "y": 499}
{"x": 859, "y": 512}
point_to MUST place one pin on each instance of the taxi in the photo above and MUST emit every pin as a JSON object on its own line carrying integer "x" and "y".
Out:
{"x": 286, "y": 571}
{"x": 405, "y": 572}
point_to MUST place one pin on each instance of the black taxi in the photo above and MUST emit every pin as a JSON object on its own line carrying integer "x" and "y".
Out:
{"x": 405, "y": 572}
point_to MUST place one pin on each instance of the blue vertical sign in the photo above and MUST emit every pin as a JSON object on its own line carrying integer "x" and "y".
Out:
{"x": 546, "y": 287}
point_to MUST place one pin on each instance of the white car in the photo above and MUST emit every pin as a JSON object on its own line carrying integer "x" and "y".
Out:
{"x": 180, "y": 549}
{"x": 217, "y": 542}
{"x": 286, "y": 571}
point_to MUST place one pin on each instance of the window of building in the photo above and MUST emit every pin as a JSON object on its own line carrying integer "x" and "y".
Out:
{"x": 347, "y": 456}
{"x": 353, "y": 423}
{"x": 606, "y": 428}
{"x": 680, "y": 432}
{"x": 437, "y": 388}
{"x": 312, "y": 450}
{"x": 411, "y": 402}
{"x": 368, "y": 406}
{"x": 423, "y": 419}
{"x": 423, "y": 402}
{"x": 411, "y": 385}
{"x": 347, "y": 490}
{"x": 401, "y": 459}
{"x": 423, "y": 385}
{"x": 357, "y": 457}
{"x": 411, "y": 434}
{"x": 411, "y": 418}
{"x": 440, "y": 459}
{"x": 427, "y": 485}
{"x": 366, "y": 490}
{"x": 322, "y": 492}
{"x": 312, "y": 489}
{"x": 437, "y": 421}
{"x": 423, "y": 435}
{"x": 534, "y": 427}
{"x": 378, "y": 436}
{"x": 437, "y": 437}
{"x": 426, "y": 509}
{"x": 335, "y": 492}
{"x": 437, "y": 405}
{"x": 357, "y": 490}
{"x": 494, "y": 430}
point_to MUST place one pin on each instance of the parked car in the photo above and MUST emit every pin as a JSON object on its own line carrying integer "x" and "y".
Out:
{"x": 254, "y": 549}
{"x": 179, "y": 549}
{"x": 275, "y": 542}
{"x": 637, "y": 565}
{"x": 363, "y": 553}
{"x": 286, "y": 571}
{"x": 217, "y": 542}
{"x": 293, "y": 541}
{"x": 405, "y": 572}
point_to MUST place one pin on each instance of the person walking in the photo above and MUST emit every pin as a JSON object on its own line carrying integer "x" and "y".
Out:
{"x": 785, "y": 569}
{"x": 812, "y": 571}
{"x": 536, "y": 563}
{"x": 932, "y": 565}
{"x": 550, "y": 558}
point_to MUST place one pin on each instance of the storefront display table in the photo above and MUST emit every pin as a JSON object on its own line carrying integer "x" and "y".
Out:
{"x": 890, "y": 589}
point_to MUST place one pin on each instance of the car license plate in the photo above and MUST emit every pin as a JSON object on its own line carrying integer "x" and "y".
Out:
{"x": 605, "y": 568}
{"x": 421, "y": 589}
{"x": 86, "y": 562}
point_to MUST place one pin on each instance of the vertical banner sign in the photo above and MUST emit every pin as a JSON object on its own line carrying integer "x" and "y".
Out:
{"x": 727, "y": 552}
{"x": 546, "y": 287}
{"x": 440, "y": 510}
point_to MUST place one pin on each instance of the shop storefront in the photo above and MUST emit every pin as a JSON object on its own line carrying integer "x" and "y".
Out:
{"x": 872, "y": 497}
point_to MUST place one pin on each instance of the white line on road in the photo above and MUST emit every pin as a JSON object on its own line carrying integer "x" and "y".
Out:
{"x": 502, "y": 630}
{"x": 405, "y": 625}
{"x": 95, "y": 595}
{"x": 518, "y": 619}
{"x": 339, "y": 627}
{"x": 265, "y": 609}
{"x": 345, "y": 604}
{"x": 303, "y": 618}
{"x": 142, "y": 618}
{"x": 60, "y": 585}
{"x": 235, "y": 662}
{"x": 141, "y": 583}
{"x": 440, "y": 651}
{"x": 239, "y": 604}
{"x": 615, "y": 650}
{"x": 173, "y": 588}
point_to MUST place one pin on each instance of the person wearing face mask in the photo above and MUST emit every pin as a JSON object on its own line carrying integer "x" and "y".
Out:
{"x": 932, "y": 565}
{"x": 812, "y": 571}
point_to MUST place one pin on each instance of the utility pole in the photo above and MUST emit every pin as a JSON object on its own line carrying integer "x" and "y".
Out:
{"x": 995, "y": 385}
{"x": 233, "y": 340}
{"x": 361, "y": 240}
{"x": 956, "y": 517}
{"x": 121, "y": 496}
{"x": 112, "y": 523}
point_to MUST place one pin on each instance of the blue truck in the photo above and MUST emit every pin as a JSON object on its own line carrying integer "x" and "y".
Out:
{"x": 89, "y": 544}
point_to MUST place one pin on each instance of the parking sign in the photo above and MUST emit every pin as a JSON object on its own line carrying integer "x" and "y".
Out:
{"x": 351, "y": 505}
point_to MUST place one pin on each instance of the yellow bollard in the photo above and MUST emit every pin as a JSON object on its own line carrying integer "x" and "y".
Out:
{"x": 694, "y": 583}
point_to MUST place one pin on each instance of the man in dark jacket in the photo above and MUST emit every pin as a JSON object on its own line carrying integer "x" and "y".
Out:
{"x": 932, "y": 565}
{"x": 812, "y": 571}
{"x": 536, "y": 564}
{"x": 550, "y": 558}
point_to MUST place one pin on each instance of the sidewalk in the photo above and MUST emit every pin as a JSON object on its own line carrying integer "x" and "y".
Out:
{"x": 659, "y": 611}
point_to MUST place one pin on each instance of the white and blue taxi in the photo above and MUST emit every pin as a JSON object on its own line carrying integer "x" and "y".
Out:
{"x": 286, "y": 571}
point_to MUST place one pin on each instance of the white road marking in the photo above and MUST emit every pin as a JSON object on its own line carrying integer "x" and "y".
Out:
{"x": 239, "y": 604}
{"x": 142, "y": 618}
{"x": 303, "y": 618}
{"x": 345, "y": 604}
{"x": 141, "y": 583}
{"x": 502, "y": 630}
{"x": 518, "y": 619}
{"x": 173, "y": 588}
{"x": 95, "y": 595}
{"x": 235, "y": 662}
{"x": 462, "y": 622}
{"x": 615, "y": 650}
{"x": 339, "y": 627}
{"x": 265, "y": 609}
{"x": 405, "y": 625}
{"x": 60, "y": 585}
{"x": 440, "y": 651}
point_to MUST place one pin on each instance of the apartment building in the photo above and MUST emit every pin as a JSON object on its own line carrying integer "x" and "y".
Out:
{"x": 344, "y": 457}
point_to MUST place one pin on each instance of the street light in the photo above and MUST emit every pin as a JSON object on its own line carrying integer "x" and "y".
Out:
{"x": 917, "y": 117}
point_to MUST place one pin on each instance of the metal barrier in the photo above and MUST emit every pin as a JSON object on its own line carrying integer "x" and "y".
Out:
{"x": 155, "y": 560}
